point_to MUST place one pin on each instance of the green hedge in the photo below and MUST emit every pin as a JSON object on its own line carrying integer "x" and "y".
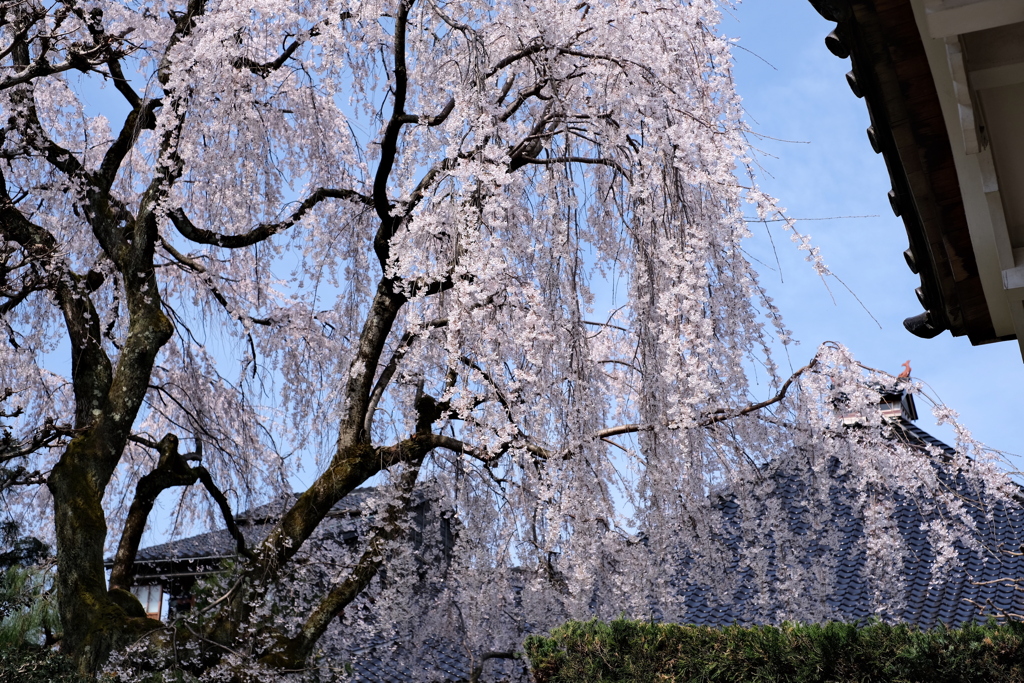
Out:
{"x": 637, "y": 652}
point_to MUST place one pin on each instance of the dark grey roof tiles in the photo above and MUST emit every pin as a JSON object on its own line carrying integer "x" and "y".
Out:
{"x": 948, "y": 600}
{"x": 254, "y": 523}
{"x": 350, "y": 504}
{"x": 213, "y": 544}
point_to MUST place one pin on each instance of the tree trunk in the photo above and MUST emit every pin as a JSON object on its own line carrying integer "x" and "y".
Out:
{"x": 95, "y": 620}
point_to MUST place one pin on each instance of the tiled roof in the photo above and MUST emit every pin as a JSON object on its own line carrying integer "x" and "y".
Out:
{"x": 254, "y": 523}
{"x": 971, "y": 592}
{"x": 213, "y": 544}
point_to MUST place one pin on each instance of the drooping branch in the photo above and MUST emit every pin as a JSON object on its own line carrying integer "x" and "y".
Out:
{"x": 195, "y": 266}
{"x": 225, "y": 509}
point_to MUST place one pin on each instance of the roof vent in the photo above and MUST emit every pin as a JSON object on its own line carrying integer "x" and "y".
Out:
{"x": 898, "y": 404}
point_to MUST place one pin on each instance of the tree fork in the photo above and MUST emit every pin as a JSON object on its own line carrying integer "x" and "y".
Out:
{"x": 172, "y": 470}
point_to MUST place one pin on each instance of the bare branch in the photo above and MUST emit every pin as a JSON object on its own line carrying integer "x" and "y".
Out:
{"x": 723, "y": 416}
{"x": 225, "y": 509}
{"x": 389, "y": 370}
{"x": 171, "y": 470}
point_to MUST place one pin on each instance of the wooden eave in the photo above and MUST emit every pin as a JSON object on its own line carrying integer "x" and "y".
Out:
{"x": 891, "y": 72}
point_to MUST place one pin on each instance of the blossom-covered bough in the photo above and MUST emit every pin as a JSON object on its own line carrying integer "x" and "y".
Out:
{"x": 379, "y": 239}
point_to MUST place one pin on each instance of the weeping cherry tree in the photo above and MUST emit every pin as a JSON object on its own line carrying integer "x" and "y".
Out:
{"x": 488, "y": 249}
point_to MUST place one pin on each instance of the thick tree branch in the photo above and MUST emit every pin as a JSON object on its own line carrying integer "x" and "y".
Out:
{"x": 522, "y": 98}
{"x": 171, "y": 470}
{"x": 719, "y": 415}
{"x": 292, "y": 652}
{"x": 533, "y": 47}
{"x": 184, "y": 22}
{"x": 431, "y": 120}
{"x": 389, "y": 142}
{"x": 122, "y": 84}
{"x": 265, "y": 230}
{"x": 138, "y": 119}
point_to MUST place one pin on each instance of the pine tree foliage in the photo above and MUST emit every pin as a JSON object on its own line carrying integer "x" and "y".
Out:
{"x": 370, "y": 238}
{"x": 28, "y": 613}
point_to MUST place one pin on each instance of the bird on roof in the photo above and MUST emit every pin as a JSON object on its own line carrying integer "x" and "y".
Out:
{"x": 906, "y": 371}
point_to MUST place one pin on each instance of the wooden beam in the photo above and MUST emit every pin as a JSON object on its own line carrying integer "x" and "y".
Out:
{"x": 998, "y": 76}
{"x": 977, "y": 16}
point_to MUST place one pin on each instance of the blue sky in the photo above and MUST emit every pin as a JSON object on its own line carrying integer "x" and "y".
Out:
{"x": 794, "y": 89}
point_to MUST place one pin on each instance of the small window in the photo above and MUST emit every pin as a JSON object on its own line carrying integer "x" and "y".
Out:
{"x": 151, "y": 598}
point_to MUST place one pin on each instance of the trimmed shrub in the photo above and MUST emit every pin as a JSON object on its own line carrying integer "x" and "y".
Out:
{"x": 638, "y": 652}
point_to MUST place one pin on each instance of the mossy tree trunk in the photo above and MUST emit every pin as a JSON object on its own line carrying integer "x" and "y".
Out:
{"x": 108, "y": 394}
